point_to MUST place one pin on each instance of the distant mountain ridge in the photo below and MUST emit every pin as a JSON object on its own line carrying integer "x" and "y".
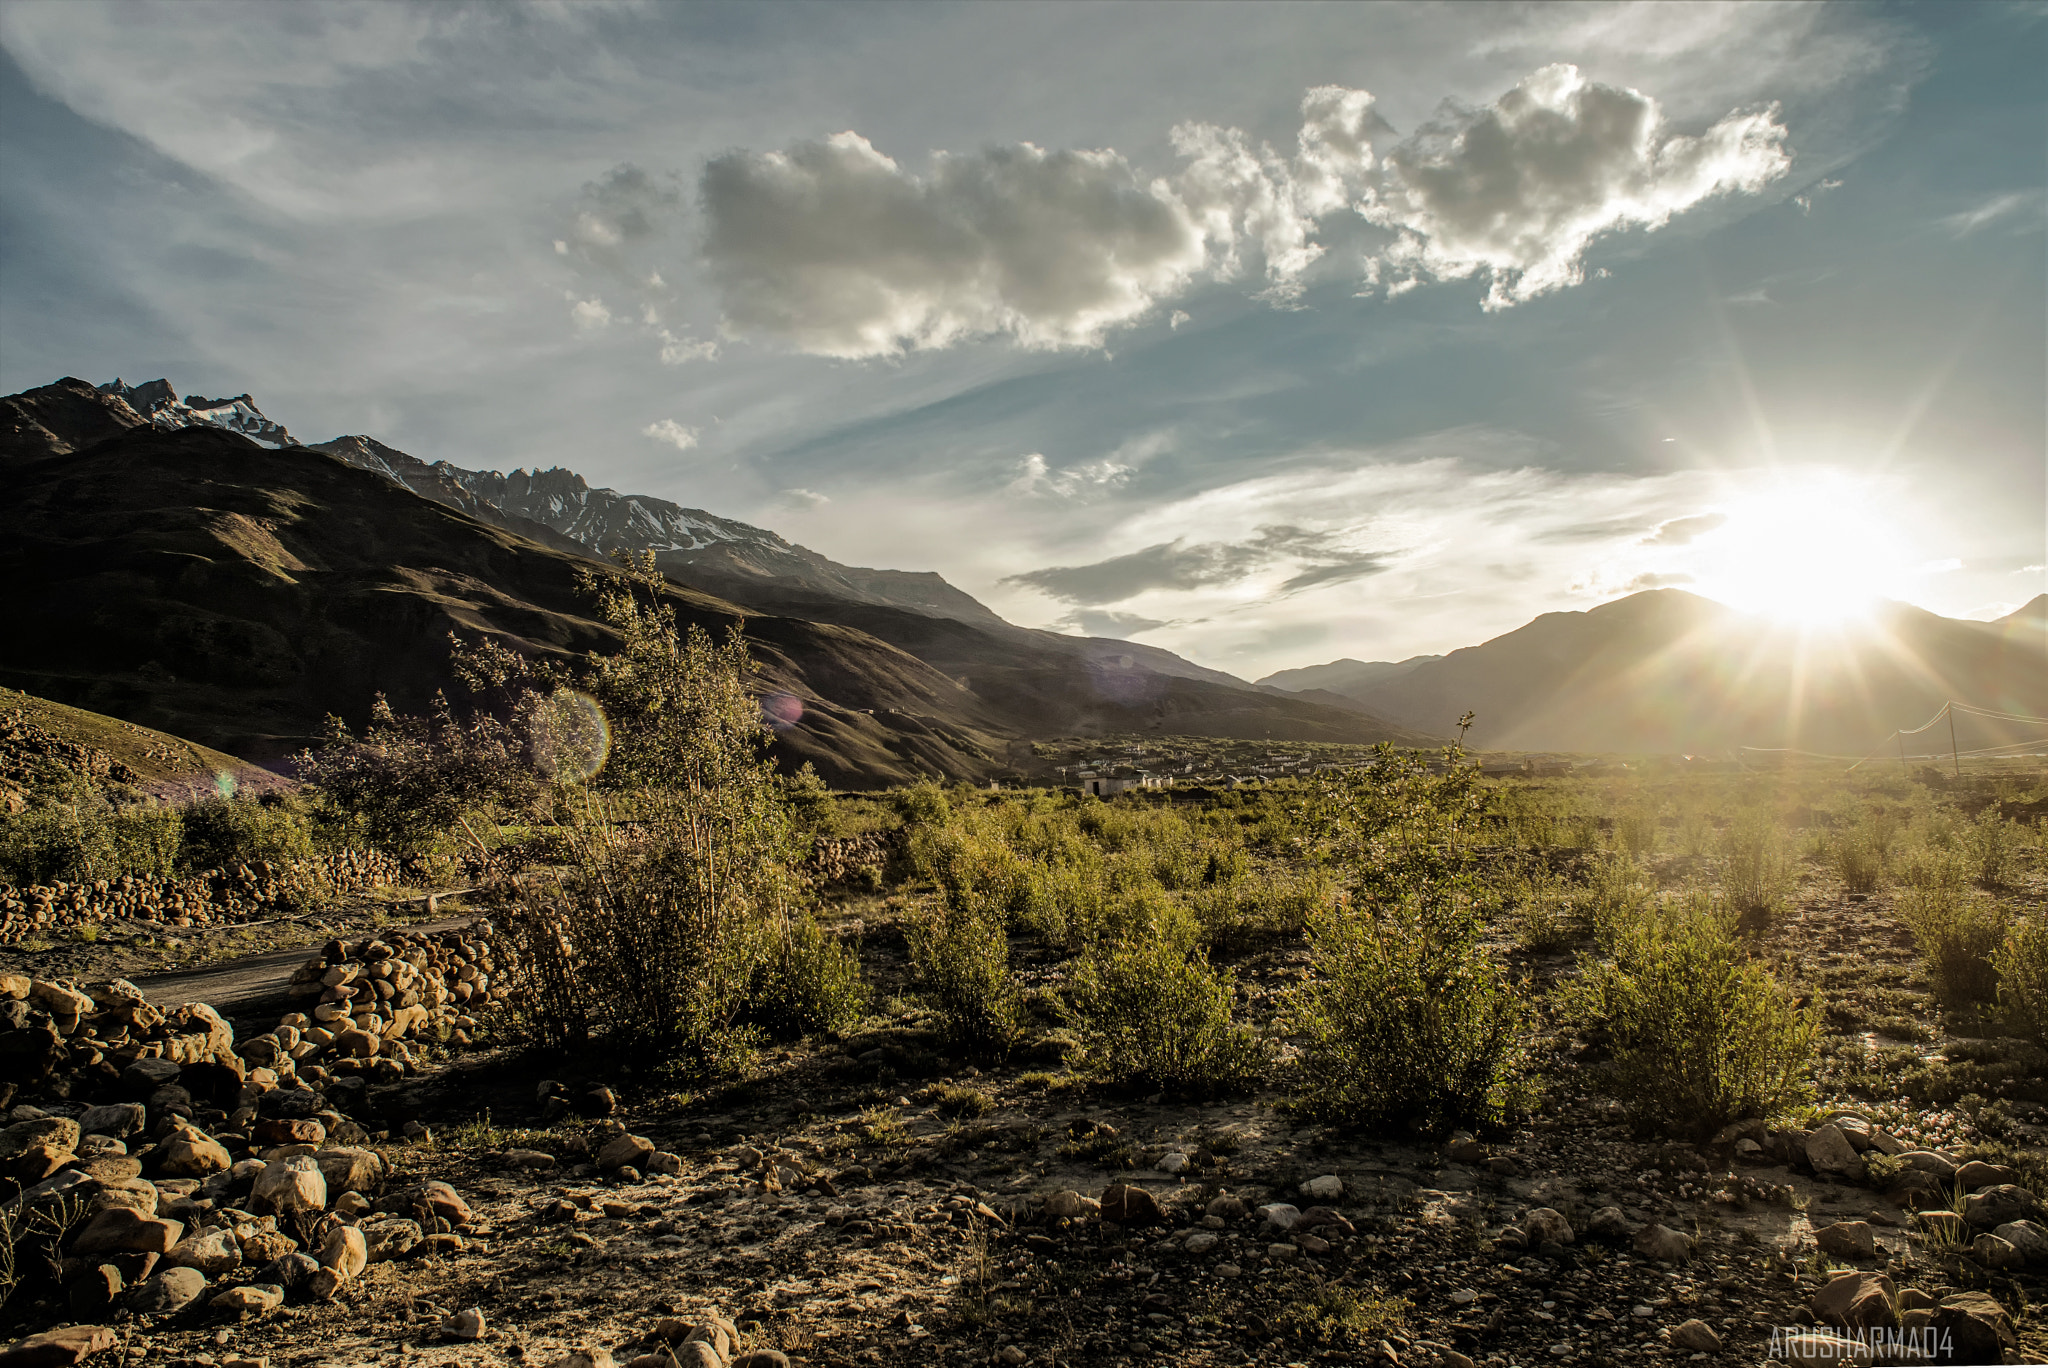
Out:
{"x": 174, "y": 572}
{"x": 1667, "y": 671}
{"x": 1346, "y": 676}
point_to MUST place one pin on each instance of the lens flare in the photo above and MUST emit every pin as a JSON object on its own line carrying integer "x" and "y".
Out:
{"x": 782, "y": 710}
{"x": 570, "y": 736}
{"x": 224, "y": 783}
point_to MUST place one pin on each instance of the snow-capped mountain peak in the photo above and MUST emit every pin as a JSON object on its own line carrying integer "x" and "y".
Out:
{"x": 160, "y": 404}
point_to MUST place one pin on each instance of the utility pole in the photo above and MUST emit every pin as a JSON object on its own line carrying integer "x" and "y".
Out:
{"x": 1954, "y": 755}
{"x": 1902, "y": 751}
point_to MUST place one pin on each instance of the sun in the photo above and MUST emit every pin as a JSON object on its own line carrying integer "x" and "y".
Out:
{"x": 1814, "y": 549}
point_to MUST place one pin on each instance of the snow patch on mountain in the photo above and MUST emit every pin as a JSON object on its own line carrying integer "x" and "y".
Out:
{"x": 160, "y": 404}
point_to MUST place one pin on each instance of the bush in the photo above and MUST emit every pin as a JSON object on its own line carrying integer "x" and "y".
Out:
{"x": 2021, "y": 964}
{"x": 1753, "y": 868}
{"x": 220, "y": 833}
{"x": 963, "y": 961}
{"x": 1540, "y": 908}
{"x": 1150, "y": 1011}
{"x": 82, "y": 838}
{"x": 1992, "y": 842}
{"x": 1856, "y": 859}
{"x": 1956, "y": 931}
{"x": 1700, "y": 1034}
{"x": 805, "y": 983}
{"x": 1408, "y": 1019}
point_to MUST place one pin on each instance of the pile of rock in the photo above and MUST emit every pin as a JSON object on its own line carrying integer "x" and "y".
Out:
{"x": 187, "y": 1188}
{"x": 369, "y": 998}
{"x": 56, "y": 1036}
{"x": 244, "y": 892}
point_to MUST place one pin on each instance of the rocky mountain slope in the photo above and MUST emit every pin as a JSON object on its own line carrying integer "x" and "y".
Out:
{"x": 187, "y": 578}
{"x": 1668, "y": 671}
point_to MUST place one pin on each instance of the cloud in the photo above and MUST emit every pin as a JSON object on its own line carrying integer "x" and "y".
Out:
{"x": 1182, "y": 566}
{"x": 834, "y": 249}
{"x": 1680, "y": 531}
{"x": 589, "y": 315}
{"x": 619, "y": 219}
{"x": 1520, "y": 189}
{"x": 674, "y": 433}
{"x": 809, "y": 498}
{"x": 1659, "y": 581}
{"x": 831, "y": 247}
{"x": 1035, "y": 476}
{"x": 679, "y": 351}
{"x": 1122, "y": 626}
{"x": 2026, "y": 206}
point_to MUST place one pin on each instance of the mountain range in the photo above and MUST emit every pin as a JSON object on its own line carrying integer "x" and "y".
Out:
{"x": 187, "y": 564}
{"x": 1666, "y": 671}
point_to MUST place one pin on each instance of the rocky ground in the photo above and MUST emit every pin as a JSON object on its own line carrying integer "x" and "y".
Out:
{"x": 868, "y": 1200}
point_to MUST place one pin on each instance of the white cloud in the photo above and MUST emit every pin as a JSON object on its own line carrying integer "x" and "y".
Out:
{"x": 590, "y": 314}
{"x": 1519, "y": 189}
{"x": 674, "y": 433}
{"x": 2023, "y": 206}
{"x": 678, "y": 351}
{"x": 809, "y": 497}
{"x": 834, "y": 249}
{"x": 831, "y": 247}
{"x": 1036, "y": 476}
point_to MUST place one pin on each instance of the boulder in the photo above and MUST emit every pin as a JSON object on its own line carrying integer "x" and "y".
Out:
{"x": 1977, "y": 1325}
{"x": 345, "y": 1253}
{"x": 1066, "y": 1204}
{"x": 172, "y": 1289}
{"x": 148, "y": 1074}
{"x": 119, "y": 1230}
{"x": 1847, "y": 1240}
{"x": 56, "y": 1132}
{"x": 290, "y": 1186}
{"x": 1610, "y": 1223}
{"x": 188, "y": 1153}
{"x": 1995, "y": 1252}
{"x": 391, "y": 1238}
{"x": 212, "y": 1252}
{"x": 1695, "y": 1337}
{"x": 1995, "y": 1206}
{"x": 1978, "y": 1174}
{"x": 1226, "y": 1208}
{"x": 1545, "y": 1226}
{"x": 348, "y": 1169}
{"x": 118, "y": 1119}
{"x": 2029, "y": 1238}
{"x": 252, "y": 1299}
{"x": 1280, "y": 1215}
{"x": 59, "y": 1348}
{"x": 1830, "y": 1152}
{"x": 58, "y": 1000}
{"x": 1662, "y": 1243}
{"x": 1127, "y": 1205}
{"x": 1327, "y": 1188}
{"x": 1855, "y": 1299}
{"x": 1928, "y": 1161}
{"x": 625, "y": 1151}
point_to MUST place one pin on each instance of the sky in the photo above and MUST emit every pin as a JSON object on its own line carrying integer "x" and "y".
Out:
{"x": 1269, "y": 334}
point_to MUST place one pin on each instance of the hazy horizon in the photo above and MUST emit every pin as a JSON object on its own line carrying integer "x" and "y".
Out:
{"x": 1270, "y": 335}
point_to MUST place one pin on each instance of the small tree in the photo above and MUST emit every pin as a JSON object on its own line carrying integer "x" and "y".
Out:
{"x": 1150, "y": 1011}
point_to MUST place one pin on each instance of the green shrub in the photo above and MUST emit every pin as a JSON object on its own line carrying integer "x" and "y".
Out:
{"x": 805, "y": 983}
{"x": 1540, "y": 909}
{"x": 1992, "y": 843}
{"x": 1150, "y": 1011}
{"x": 1408, "y": 1018}
{"x": 2021, "y": 964}
{"x": 1635, "y": 834}
{"x": 1753, "y": 869}
{"x": 1700, "y": 1034}
{"x": 963, "y": 962}
{"x": 82, "y": 838}
{"x": 1857, "y": 860}
{"x": 1957, "y": 932}
{"x": 220, "y": 833}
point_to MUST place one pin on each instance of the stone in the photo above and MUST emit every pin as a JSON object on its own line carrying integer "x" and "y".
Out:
{"x": 121, "y": 1230}
{"x": 56, "y": 1132}
{"x": 1173, "y": 1162}
{"x": 661, "y": 1161}
{"x": 1884, "y": 1142}
{"x": 93, "y": 1291}
{"x": 1695, "y": 1336}
{"x": 761, "y": 1358}
{"x": 189, "y": 1153}
{"x": 1978, "y": 1326}
{"x": 1327, "y": 1188}
{"x": 1832, "y": 1304}
{"x": 1311, "y": 1244}
{"x": 1201, "y": 1242}
{"x": 348, "y": 1169}
{"x": 1610, "y": 1223}
{"x": 1847, "y": 1240}
{"x": 1545, "y": 1226}
{"x": 291, "y": 1186}
{"x": 528, "y": 1160}
{"x": 118, "y": 1119}
{"x": 1226, "y": 1208}
{"x": 1995, "y": 1206}
{"x": 1978, "y": 1174}
{"x": 1322, "y": 1217}
{"x": 625, "y": 1151}
{"x": 444, "y": 1202}
{"x": 588, "y": 1357}
{"x": 58, "y": 1000}
{"x": 59, "y": 1348}
{"x": 1280, "y": 1215}
{"x": 172, "y": 1289}
{"x": 1662, "y": 1243}
{"x": 251, "y": 1299}
{"x": 1944, "y": 1227}
{"x": 110, "y": 1168}
{"x": 466, "y": 1325}
{"x": 1127, "y": 1205}
{"x": 1830, "y": 1152}
{"x": 266, "y": 1246}
{"x": 1928, "y": 1161}
{"x": 391, "y": 1239}
{"x": 283, "y": 1130}
{"x": 148, "y": 1074}
{"x": 1995, "y": 1252}
{"x": 292, "y": 1270}
{"x": 695, "y": 1354}
{"x": 2029, "y": 1238}
{"x": 345, "y": 1253}
{"x": 212, "y": 1252}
